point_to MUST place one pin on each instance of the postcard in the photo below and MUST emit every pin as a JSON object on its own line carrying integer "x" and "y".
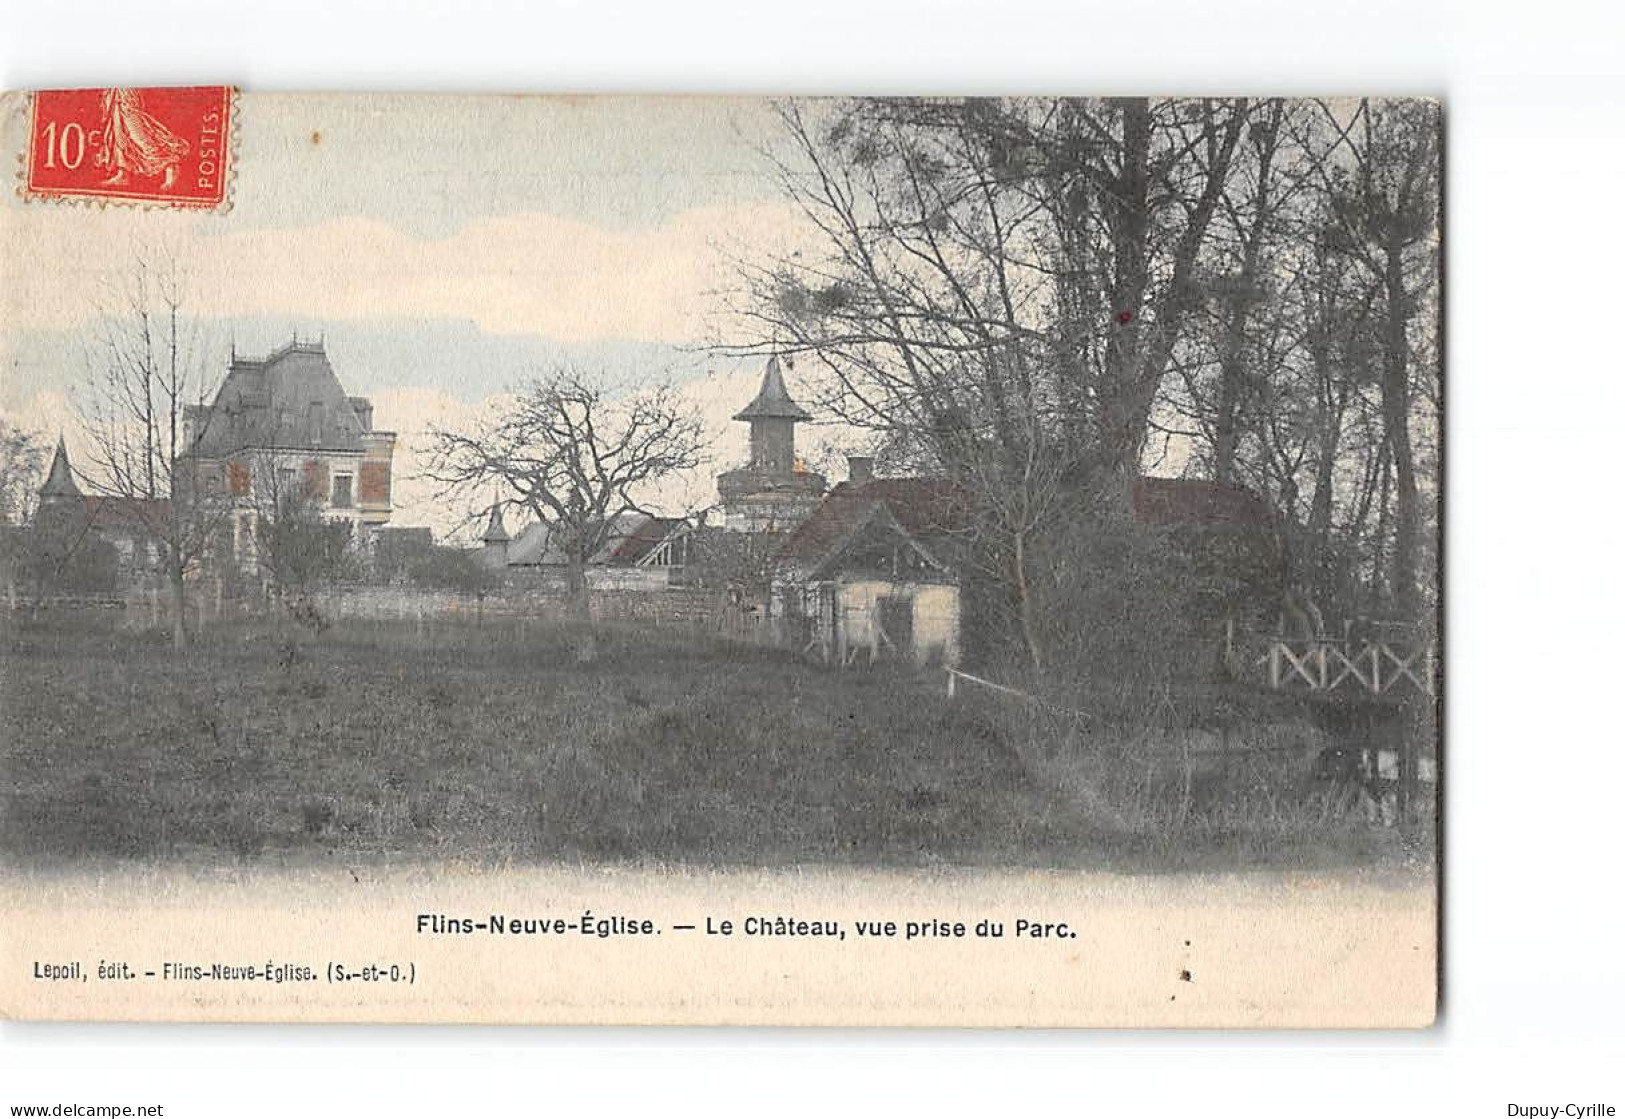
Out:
{"x": 699, "y": 560}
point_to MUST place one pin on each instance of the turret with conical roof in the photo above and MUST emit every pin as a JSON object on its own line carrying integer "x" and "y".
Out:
{"x": 772, "y": 493}
{"x": 773, "y": 417}
{"x": 496, "y": 538}
{"x": 59, "y": 487}
{"x": 495, "y": 531}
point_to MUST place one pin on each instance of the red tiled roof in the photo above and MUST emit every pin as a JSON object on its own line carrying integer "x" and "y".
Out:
{"x": 638, "y": 543}
{"x": 126, "y": 512}
{"x": 1166, "y": 501}
{"x": 924, "y": 507}
{"x": 929, "y": 508}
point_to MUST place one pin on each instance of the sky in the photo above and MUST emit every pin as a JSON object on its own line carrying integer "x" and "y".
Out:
{"x": 444, "y": 248}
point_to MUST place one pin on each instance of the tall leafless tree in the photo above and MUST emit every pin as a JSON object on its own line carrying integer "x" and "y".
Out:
{"x": 575, "y": 457}
{"x": 1387, "y": 209}
{"x": 296, "y": 547}
{"x": 1003, "y": 283}
{"x": 145, "y": 366}
{"x": 22, "y": 461}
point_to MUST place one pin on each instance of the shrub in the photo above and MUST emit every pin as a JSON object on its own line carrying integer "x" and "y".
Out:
{"x": 1118, "y": 602}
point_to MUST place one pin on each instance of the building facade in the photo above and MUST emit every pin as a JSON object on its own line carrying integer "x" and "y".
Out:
{"x": 874, "y": 573}
{"x": 283, "y": 430}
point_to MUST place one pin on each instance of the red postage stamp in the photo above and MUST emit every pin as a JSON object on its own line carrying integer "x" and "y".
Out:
{"x": 162, "y": 147}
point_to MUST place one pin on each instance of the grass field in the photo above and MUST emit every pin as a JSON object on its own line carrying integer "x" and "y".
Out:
{"x": 475, "y": 745}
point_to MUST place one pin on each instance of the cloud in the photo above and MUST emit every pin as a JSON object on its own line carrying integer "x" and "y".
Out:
{"x": 598, "y": 231}
{"x": 48, "y": 414}
{"x": 530, "y": 273}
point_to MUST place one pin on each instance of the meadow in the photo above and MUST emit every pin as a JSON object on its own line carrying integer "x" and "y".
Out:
{"x": 381, "y": 743}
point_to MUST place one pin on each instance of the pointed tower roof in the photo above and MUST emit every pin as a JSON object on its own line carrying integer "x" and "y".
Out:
{"x": 773, "y": 399}
{"x": 59, "y": 482}
{"x": 496, "y": 532}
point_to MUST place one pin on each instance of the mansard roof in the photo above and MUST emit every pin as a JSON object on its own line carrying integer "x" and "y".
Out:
{"x": 291, "y": 399}
{"x": 773, "y": 399}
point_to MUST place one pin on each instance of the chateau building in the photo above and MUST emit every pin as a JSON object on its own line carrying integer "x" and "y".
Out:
{"x": 282, "y": 428}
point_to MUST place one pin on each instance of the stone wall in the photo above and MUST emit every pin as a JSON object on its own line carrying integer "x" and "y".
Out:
{"x": 685, "y": 607}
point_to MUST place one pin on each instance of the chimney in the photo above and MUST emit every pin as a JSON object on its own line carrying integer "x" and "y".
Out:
{"x": 860, "y": 469}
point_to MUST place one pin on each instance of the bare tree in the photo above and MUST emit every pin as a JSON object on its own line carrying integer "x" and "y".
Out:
{"x": 145, "y": 367}
{"x": 1002, "y": 284}
{"x": 22, "y": 461}
{"x": 575, "y": 457}
{"x": 1387, "y": 211}
{"x": 296, "y": 548}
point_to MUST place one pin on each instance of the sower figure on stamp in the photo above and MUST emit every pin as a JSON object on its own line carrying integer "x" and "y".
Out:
{"x": 135, "y": 142}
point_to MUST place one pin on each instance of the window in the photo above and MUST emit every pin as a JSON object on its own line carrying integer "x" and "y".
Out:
{"x": 375, "y": 483}
{"x": 341, "y": 491}
{"x": 316, "y": 479}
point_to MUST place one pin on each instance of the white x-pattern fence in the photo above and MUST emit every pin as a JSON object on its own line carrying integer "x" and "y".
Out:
{"x": 1376, "y": 667}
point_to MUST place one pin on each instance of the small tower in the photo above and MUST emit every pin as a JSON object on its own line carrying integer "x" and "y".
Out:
{"x": 773, "y": 417}
{"x": 771, "y": 493}
{"x": 60, "y": 491}
{"x": 495, "y": 540}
